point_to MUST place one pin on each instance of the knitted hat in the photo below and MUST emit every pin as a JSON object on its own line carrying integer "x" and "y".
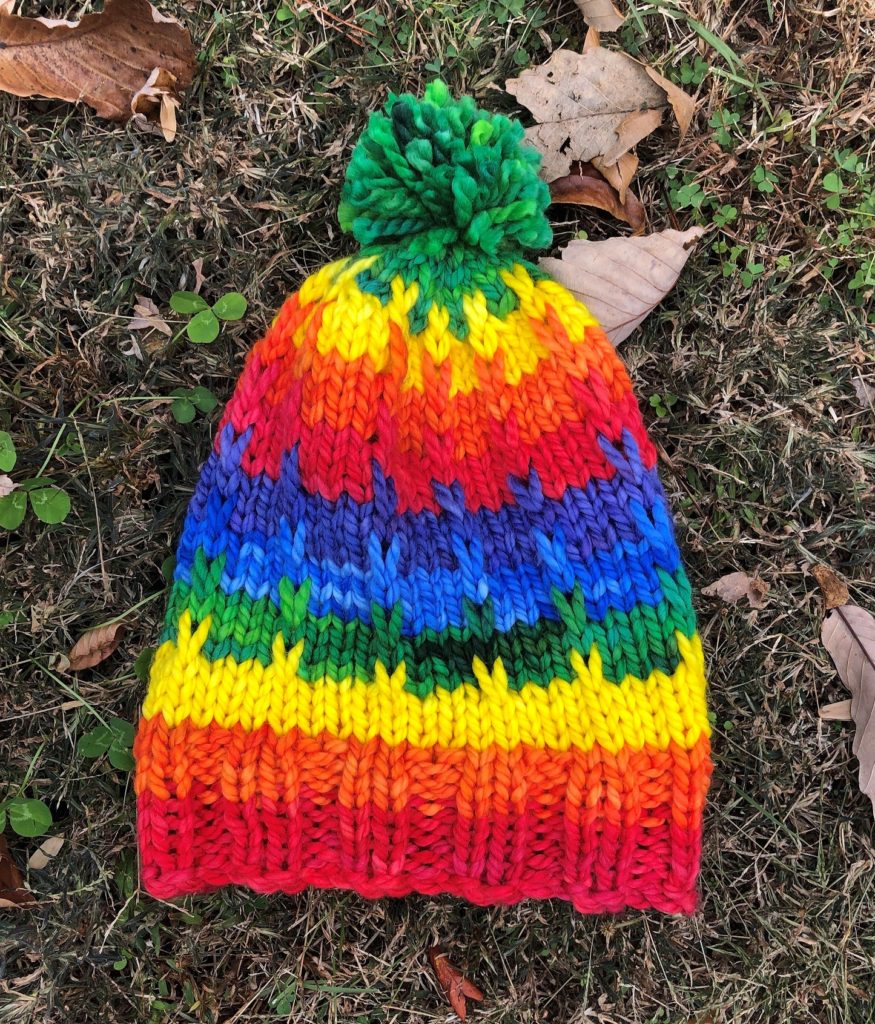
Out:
{"x": 429, "y": 629}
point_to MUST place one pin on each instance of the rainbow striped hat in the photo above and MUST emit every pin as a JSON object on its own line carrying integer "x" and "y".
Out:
{"x": 429, "y": 629}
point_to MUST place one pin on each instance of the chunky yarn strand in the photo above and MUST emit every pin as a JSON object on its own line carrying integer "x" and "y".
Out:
{"x": 429, "y": 629}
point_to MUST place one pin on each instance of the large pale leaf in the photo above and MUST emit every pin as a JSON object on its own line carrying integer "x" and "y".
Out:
{"x": 849, "y": 635}
{"x": 621, "y": 280}
{"x": 594, "y": 106}
{"x": 105, "y": 59}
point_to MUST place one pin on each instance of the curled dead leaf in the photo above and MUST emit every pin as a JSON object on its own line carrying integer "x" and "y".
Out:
{"x": 734, "y": 586}
{"x": 621, "y": 280}
{"x": 848, "y": 634}
{"x": 48, "y": 849}
{"x": 131, "y": 348}
{"x": 596, "y": 104}
{"x": 13, "y": 892}
{"x": 104, "y": 59}
{"x": 157, "y": 99}
{"x": 95, "y": 646}
{"x": 148, "y": 317}
{"x": 457, "y": 988}
{"x": 587, "y": 186}
{"x": 834, "y": 589}
{"x": 601, "y": 15}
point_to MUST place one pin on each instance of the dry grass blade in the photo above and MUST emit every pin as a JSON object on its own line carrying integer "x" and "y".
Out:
{"x": 457, "y": 988}
{"x": 587, "y": 186}
{"x": 840, "y": 711}
{"x": 849, "y": 635}
{"x": 95, "y": 646}
{"x": 601, "y": 15}
{"x": 621, "y": 280}
{"x": 104, "y": 59}
{"x": 12, "y": 889}
{"x": 596, "y": 104}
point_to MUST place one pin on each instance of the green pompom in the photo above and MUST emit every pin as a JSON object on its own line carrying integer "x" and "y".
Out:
{"x": 439, "y": 174}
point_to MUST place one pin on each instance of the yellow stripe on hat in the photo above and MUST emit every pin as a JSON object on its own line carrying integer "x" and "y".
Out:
{"x": 356, "y": 323}
{"x": 583, "y": 712}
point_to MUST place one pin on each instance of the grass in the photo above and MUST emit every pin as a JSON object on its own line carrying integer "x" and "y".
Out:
{"x": 766, "y": 450}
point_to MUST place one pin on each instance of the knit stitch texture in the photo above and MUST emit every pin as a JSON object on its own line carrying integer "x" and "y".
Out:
{"x": 429, "y": 628}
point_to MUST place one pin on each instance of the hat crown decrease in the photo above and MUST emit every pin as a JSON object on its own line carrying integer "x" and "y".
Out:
{"x": 439, "y": 177}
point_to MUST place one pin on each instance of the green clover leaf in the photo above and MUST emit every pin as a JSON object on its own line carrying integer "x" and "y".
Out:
{"x": 187, "y": 303}
{"x": 8, "y": 454}
{"x": 29, "y": 818}
{"x": 51, "y": 504}
{"x": 203, "y": 327}
{"x": 12, "y": 509}
{"x": 230, "y": 307}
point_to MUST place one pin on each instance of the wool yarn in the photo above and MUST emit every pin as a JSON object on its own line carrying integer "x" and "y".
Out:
{"x": 429, "y": 629}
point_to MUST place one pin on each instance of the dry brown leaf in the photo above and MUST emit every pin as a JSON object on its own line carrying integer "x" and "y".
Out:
{"x": 48, "y": 849}
{"x": 157, "y": 98}
{"x": 586, "y": 186}
{"x": 682, "y": 104}
{"x": 95, "y": 646}
{"x": 148, "y": 317}
{"x": 734, "y": 586}
{"x": 7, "y": 6}
{"x": 849, "y": 635}
{"x": 865, "y": 392}
{"x": 456, "y": 986}
{"x": 631, "y": 130}
{"x": 601, "y": 15}
{"x": 596, "y": 104}
{"x": 620, "y": 174}
{"x": 104, "y": 59}
{"x": 621, "y": 280}
{"x": 832, "y": 586}
{"x": 12, "y": 889}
